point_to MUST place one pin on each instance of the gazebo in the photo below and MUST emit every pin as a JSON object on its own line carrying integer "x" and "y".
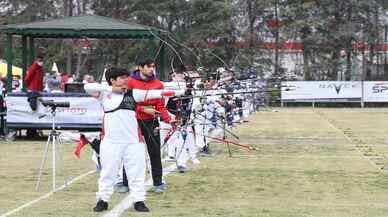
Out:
{"x": 90, "y": 26}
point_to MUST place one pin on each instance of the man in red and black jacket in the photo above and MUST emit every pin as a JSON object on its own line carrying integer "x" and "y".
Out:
{"x": 34, "y": 82}
{"x": 147, "y": 114}
{"x": 34, "y": 77}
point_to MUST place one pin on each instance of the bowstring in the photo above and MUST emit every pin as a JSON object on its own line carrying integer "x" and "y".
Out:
{"x": 180, "y": 59}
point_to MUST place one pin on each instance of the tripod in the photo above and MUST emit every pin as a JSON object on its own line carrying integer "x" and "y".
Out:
{"x": 221, "y": 125}
{"x": 224, "y": 120}
{"x": 56, "y": 142}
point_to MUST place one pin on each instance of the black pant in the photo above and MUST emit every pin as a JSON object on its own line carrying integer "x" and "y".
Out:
{"x": 152, "y": 139}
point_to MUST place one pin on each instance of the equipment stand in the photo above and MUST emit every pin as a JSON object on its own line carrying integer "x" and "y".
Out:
{"x": 56, "y": 142}
{"x": 224, "y": 135}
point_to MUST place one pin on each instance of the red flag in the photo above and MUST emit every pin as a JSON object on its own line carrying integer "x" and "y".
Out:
{"x": 81, "y": 143}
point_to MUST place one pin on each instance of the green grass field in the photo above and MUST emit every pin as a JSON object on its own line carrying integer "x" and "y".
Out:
{"x": 310, "y": 162}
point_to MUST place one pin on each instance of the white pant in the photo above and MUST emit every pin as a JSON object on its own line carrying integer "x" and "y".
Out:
{"x": 246, "y": 112}
{"x": 185, "y": 148}
{"x": 191, "y": 145}
{"x": 172, "y": 143}
{"x": 177, "y": 147}
{"x": 201, "y": 131}
{"x": 165, "y": 129}
{"x": 133, "y": 157}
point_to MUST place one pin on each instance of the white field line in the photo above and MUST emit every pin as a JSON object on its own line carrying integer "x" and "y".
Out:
{"x": 128, "y": 200}
{"x": 349, "y": 139}
{"x": 300, "y": 156}
{"x": 368, "y": 205}
{"x": 46, "y": 195}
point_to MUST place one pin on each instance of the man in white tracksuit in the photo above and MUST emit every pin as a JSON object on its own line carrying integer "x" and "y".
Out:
{"x": 121, "y": 139}
{"x": 200, "y": 123}
{"x": 181, "y": 144}
{"x": 167, "y": 131}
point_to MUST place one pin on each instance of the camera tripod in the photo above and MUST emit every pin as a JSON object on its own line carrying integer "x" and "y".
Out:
{"x": 56, "y": 142}
{"x": 224, "y": 120}
{"x": 222, "y": 125}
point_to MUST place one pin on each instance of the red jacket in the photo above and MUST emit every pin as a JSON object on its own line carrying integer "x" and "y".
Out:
{"x": 135, "y": 82}
{"x": 34, "y": 78}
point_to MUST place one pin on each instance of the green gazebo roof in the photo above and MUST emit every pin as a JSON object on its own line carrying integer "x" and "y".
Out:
{"x": 90, "y": 26}
{"x": 83, "y": 26}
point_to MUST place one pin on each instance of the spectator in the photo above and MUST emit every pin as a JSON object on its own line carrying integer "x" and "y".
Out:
{"x": 86, "y": 78}
{"x": 34, "y": 77}
{"x": 91, "y": 79}
{"x": 16, "y": 83}
{"x": 65, "y": 80}
{"x": 34, "y": 82}
{"x": 54, "y": 84}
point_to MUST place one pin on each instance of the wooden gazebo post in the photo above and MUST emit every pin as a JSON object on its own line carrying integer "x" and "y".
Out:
{"x": 31, "y": 50}
{"x": 162, "y": 60}
{"x": 24, "y": 60}
{"x": 9, "y": 54}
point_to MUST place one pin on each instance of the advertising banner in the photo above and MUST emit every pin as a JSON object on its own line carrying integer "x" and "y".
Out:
{"x": 321, "y": 91}
{"x": 84, "y": 113}
{"x": 375, "y": 91}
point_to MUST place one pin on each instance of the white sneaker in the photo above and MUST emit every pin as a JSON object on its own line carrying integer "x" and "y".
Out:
{"x": 196, "y": 161}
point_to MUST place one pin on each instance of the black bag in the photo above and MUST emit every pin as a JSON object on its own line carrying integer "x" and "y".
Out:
{"x": 33, "y": 100}
{"x": 2, "y": 105}
{"x": 96, "y": 145}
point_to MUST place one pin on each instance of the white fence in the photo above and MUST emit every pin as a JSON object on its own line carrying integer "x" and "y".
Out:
{"x": 84, "y": 112}
{"x": 334, "y": 91}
